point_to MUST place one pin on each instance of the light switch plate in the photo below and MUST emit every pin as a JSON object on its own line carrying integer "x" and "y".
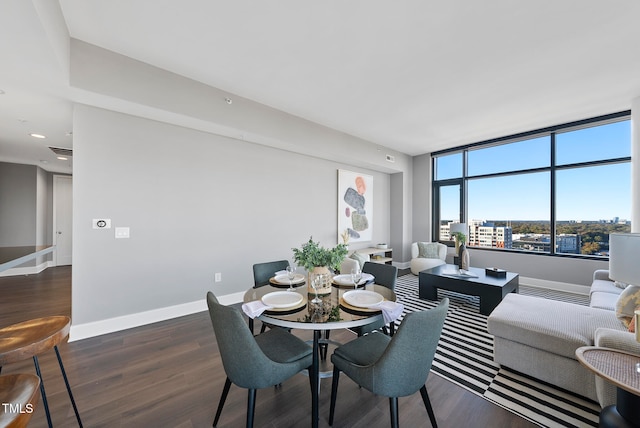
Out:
{"x": 122, "y": 232}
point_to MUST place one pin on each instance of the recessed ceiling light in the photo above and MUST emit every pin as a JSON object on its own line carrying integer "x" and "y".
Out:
{"x": 44, "y": 161}
{"x": 62, "y": 158}
{"x": 37, "y": 135}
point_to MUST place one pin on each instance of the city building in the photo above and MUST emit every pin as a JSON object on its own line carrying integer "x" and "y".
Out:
{"x": 485, "y": 234}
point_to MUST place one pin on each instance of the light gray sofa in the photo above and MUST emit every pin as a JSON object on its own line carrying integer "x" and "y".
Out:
{"x": 539, "y": 337}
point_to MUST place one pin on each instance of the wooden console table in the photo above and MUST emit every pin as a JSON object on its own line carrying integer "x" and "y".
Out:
{"x": 618, "y": 368}
{"x": 378, "y": 255}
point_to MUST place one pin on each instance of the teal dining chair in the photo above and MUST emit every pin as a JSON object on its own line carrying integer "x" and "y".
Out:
{"x": 395, "y": 366}
{"x": 254, "y": 362}
{"x": 387, "y": 276}
{"x": 262, "y": 273}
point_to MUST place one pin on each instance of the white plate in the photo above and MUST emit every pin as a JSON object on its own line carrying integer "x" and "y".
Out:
{"x": 363, "y": 298}
{"x": 284, "y": 279}
{"x": 346, "y": 279}
{"x": 282, "y": 299}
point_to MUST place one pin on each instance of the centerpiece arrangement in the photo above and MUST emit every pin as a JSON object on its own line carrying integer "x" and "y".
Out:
{"x": 462, "y": 253}
{"x": 320, "y": 262}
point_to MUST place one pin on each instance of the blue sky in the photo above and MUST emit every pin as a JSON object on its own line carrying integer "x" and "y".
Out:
{"x": 591, "y": 193}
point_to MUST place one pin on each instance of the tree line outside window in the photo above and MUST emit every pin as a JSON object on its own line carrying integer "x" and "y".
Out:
{"x": 558, "y": 190}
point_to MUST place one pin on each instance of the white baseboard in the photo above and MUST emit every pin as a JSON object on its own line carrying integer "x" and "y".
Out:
{"x": 402, "y": 265}
{"x": 97, "y": 328}
{"x": 555, "y": 285}
{"x": 29, "y": 270}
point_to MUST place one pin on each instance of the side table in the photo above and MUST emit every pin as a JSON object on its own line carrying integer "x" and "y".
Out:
{"x": 619, "y": 368}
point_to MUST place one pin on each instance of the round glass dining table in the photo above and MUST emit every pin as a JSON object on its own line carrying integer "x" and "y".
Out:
{"x": 333, "y": 312}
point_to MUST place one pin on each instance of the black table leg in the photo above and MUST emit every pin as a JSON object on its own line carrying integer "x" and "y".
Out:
{"x": 625, "y": 414}
{"x": 426, "y": 290}
{"x": 316, "y": 380}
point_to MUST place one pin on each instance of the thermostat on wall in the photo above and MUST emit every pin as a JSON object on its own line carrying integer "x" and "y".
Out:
{"x": 102, "y": 223}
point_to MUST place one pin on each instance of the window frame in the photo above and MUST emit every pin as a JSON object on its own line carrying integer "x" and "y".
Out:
{"x": 552, "y": 169}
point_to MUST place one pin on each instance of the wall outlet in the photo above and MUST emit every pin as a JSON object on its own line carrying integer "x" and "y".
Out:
{"x": 218, "y": 277}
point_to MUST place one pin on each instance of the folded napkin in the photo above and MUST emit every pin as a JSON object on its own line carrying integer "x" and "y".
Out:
{"x": 346, "y": 279}
{"x": 367, "y": 278}
{"x": 255, "y": 308}
{"x": 391, "y": 311}
{"x": 280, "y": 272}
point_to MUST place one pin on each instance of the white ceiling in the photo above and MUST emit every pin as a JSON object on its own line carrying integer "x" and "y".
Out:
{"x": 412, "y": 75}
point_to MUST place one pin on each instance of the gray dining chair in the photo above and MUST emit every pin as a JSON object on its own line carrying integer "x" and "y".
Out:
{"x": 395, "y": 366}
{"x": 254, "y": 362}
{"x": 387, "y": 276}
{"x": 262, "y": 273}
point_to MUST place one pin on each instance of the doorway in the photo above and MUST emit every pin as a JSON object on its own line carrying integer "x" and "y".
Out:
{"x": 62, "y": 219}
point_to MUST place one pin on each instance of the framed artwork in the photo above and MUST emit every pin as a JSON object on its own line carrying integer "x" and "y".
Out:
{"x": 355, "y": 206}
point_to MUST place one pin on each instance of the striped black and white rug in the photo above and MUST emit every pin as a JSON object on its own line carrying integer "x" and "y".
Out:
{"x": 465, "y": 357}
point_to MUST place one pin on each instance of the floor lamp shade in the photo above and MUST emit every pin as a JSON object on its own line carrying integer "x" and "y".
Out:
{"x": 624, "y": 253}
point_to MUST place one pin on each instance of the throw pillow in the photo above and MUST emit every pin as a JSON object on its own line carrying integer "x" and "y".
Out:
{"x": 627, "y": 302}
{"x": 620, "y": 284}
{"x": 428, "y": 250}
{"x": 360, "y": 258}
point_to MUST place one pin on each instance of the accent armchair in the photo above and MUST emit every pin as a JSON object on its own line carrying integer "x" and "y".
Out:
{"x": 419, "y": 264}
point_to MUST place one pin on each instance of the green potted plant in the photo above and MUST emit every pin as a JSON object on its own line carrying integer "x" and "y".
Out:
{"x": 312, "y": 255}
{"x": 318, "y": 261}
{"x": 461, "y": 239}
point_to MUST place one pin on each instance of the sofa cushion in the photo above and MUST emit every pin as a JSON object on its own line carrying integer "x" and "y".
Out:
{"x": 604, "y": 301}
{"x": 621, "y": 285}
{"x": 627, "y": 302}
{"x": 556, "y": 327}
{"x": 602, "y": 286}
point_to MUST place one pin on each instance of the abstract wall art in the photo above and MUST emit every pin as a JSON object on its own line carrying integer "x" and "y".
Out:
{"x": 355, "y": 206}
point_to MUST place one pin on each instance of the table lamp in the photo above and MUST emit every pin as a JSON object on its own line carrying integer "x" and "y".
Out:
{"x": 624, "y": 250}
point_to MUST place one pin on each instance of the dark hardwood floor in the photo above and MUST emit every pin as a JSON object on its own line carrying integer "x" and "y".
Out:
{"x": 169, "y": 374}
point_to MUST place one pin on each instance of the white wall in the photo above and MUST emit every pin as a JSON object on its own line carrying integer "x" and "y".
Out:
{"x": 421, "y": 195}
{"x": 18, "y": 204}
{"x": 196, "y": 203}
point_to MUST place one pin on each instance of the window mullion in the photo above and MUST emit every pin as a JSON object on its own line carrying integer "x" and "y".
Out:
{"x": 552, "y": 205}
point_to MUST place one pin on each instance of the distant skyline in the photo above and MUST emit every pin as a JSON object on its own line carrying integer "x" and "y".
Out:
{"x": 593, "y": 193}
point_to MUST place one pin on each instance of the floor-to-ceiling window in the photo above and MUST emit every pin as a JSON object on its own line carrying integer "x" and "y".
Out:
{"x": 558, "y": 190}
